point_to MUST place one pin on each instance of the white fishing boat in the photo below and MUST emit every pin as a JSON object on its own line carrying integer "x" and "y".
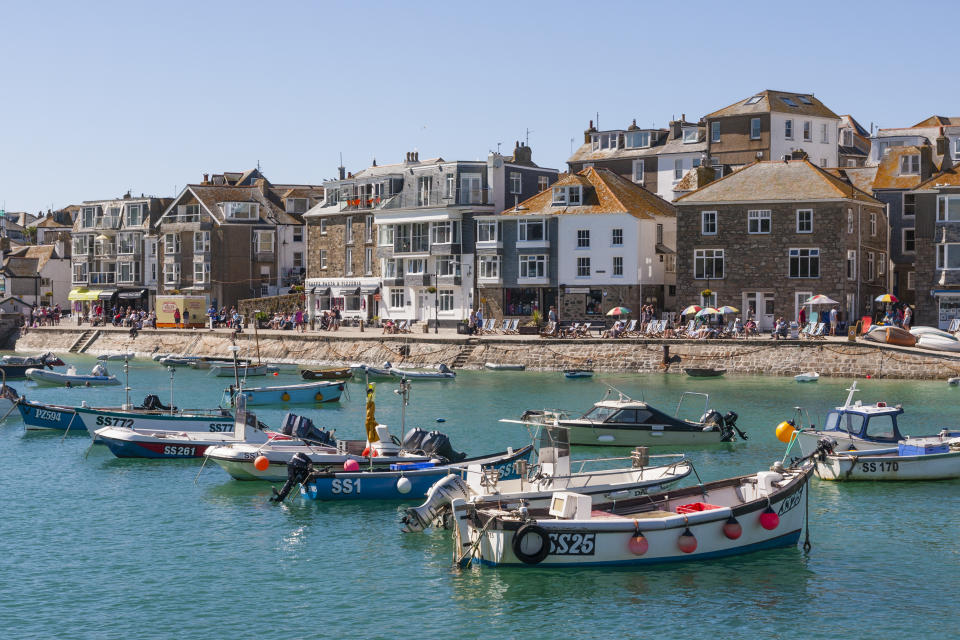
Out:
{"x": 98, "y": 377}
{"x": 734, "y": 516}
{"x": 619, "y": 420}
{"x": 809, "y": 376}
{"x": 47, "y": 359}
{"x": 927, "y": 458}
{"x": 442, "y": 372}
{"x": 242, "y": 370}
{"x": 504, "y": 366}
{"x": 578, "y": 373}
{"x": 936, "y": 342}
{"x": 368, "y": 372}
{"x": 535, "y": 485}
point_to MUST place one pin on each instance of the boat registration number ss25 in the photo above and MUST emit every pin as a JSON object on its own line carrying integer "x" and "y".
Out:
{"x": 572, "y": 544}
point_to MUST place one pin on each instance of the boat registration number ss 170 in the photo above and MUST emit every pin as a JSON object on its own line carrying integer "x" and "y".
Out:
{"x": 873, "y": 467}
{"x": 572, "y": 544}
{"x": 107, "y": 421}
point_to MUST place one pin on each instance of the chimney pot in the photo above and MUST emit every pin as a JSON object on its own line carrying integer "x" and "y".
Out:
{"x": 206, "y": 178}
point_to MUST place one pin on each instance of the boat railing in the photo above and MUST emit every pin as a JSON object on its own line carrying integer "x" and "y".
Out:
{"x": 706, "y": 401}
{"x": 583, "y": 463}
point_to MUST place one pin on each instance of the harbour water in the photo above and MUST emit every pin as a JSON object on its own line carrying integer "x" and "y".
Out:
{"x": 94, "y": 546}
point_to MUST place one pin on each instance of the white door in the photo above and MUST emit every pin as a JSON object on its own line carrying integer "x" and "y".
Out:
{"x": 766, "y": 317}
{"x": 424, "y": 311}
{"x": 798, "y": 298}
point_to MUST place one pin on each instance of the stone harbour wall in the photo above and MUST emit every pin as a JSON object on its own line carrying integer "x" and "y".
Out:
{"x": 767, "y": 357}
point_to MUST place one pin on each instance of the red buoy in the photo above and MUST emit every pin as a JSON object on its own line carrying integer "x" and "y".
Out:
{"x": 687, "y": 542}
{"x": 732, "y": 528}
{"x": 638, "y": 544}
{"x": 769, "y": 520}
{"x": 260, "y": 463}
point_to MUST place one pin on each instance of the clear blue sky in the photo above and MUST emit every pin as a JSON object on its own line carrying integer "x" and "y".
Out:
{"x": 103, "y": 97}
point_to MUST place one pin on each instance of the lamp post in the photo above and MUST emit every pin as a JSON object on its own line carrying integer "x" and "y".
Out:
{"x": 436, "y": 302}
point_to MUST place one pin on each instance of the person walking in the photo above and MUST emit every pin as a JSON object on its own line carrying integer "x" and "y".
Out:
{"x": 176, "y": 317}
{"x": 833, "y": 321}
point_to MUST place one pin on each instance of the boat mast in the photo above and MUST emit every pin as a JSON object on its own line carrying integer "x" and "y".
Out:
{"x": 853, "y": 389}
{"x": 172, "y": 371}
{"x": 126, "y": 379}
{"x": 256, "y": 334}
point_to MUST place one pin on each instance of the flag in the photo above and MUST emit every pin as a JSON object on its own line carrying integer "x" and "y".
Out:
{"x": 371, "y": 422}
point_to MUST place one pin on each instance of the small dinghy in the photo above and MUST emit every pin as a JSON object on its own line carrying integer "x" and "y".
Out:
{"x": 373, "y": 373}
{"x": 890, "y": 335}
{"x": 115, "y": 355}
{"x": 329, "y": 373}
{"x": 98, "y": 377}
{"x": 442, "y": 372}
{"x": 578, "y": 373}
{"x": 243, "y": 370}
{"x": 704, "y": 372}
{"x": 305, "y": 393}
{"x": 504, "y": 366}
{"x": 926, "y": 458}
{"x": 932, "y": 331}
{"x": 936, "y": 342}
{"x": 809, "y": 376}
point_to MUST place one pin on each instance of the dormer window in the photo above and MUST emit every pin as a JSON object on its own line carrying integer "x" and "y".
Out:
{"x": 754, "y": 99}
{"x": 637, "y": 139}
{"x": 296, "y": 205}
{"x": 605, "y": 140}
{"x": 690, "y": 134}
{"x": 910, "y": 165}
{"x": 569, "y": 195}
{"x": 788, "y": 101}
{"x": 241, "y": 210}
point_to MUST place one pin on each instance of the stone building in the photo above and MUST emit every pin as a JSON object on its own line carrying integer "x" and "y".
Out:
{"x": 767, "y": 237}
{"x": 594, "y": 241}
{"x": 937, "y": 262}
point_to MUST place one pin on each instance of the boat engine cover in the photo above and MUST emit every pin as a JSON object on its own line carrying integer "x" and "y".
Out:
{"x": 413, "y": 440}
{"x": 438, "y": 444}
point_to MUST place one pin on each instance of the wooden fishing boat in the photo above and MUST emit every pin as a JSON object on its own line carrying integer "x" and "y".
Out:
{"x": 697, "y": 372}
{"x": 809, "y": 376}
{"x": 890, "y": 335}
{"x": 304, "y": 393}
{"x": 727, "y": 517}
{"x": 504, "y": 366}
{"x": 622, "y": 421}
{"x": 328, "y": 373}
{"x": 927, "y": 458}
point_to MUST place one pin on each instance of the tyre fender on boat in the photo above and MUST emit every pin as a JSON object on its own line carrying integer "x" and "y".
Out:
{"x": 525, "y": 531}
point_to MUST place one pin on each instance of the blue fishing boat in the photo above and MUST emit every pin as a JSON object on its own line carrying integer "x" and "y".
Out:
{"x": 304, "y": 393}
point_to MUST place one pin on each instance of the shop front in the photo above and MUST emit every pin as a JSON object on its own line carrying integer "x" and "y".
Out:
{"x": 523, "y": 301}
{"x": 134, "y": 298}
{"x": 83, "y": 303}
{"x": 948, "y": 307}
{"x": 354, "y": 297}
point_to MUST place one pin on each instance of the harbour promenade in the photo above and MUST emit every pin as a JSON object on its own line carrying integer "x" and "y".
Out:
{"x": 832, "y": 357}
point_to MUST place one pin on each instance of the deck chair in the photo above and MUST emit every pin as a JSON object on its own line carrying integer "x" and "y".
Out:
{"x": 630, "y": 329}
{"x": 688, "y": 332}
{"x": 584, "y": 330}
{"x": 505, "y": 326}
{"x": 552, "y": 330}
{"x": 865, "y": 323}
{"x": 820, "y": 332}
{"x": 954, "y": 325}
{"x": 807, "y": 330}
{"x": 403, "y": 327}
{"x": 514, "y": 324}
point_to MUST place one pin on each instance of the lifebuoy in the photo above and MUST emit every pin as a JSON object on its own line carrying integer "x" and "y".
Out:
{"x": 318, "y": 397}
{"x": 531, "y": 529}
{"x": 285, "y": 397}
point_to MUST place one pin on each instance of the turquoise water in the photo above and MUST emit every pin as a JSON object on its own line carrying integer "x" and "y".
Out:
{"x": 94, "y": 546}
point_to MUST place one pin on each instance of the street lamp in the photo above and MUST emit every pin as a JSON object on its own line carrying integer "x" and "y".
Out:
{"x": 436, "y": 301}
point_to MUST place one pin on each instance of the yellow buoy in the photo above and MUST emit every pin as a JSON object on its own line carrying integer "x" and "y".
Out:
{"x": 285, "y": 396}
{"x": 318, "y": 397}
{"x": 785, "y": 431}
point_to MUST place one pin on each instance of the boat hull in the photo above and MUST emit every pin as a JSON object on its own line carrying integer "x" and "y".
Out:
{"x": 704, "y": 373}
{"x": 226, "y": 371}
{"x": 930, "y": 466}
{"x": 422, "y": 375}
{"x": 41, "y": 417}
{"x": 504, "y": 366}
{"x": 170, "y": 449}
{"x": 237, "y": 460}
{"x": 323, "y": 391}
{"x": 93, "y": 419}
{"x": 327, "y": 374}
{"x": 938, "y": 343}
{"x": 807, "y": 439}
{"x": 57, "y": 378}
{"x": 586, "y": 435}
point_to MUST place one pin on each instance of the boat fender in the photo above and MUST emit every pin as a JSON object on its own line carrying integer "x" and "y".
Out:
{"x": 318, "y": 397}
{"x": 285, "y": 397}
{"x": 638, "y": 543}
{"x": 769, "y": 519}
{"x": 531, "y": 529}
{"x": 687, "y": 542}
{"x": 732, "y": 528}
{"x": 404, "y": 485}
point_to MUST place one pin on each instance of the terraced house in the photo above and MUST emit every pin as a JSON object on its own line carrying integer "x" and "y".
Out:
{"x": 112, "y": 252}
{"x": 630, "y": 152}
{"x": 234, "y": 236}
{"x": 769, "y": 236}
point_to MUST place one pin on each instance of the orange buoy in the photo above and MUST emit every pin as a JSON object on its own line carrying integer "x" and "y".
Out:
{"x": 285, "y": 397}
{"x": 260, "y": 463}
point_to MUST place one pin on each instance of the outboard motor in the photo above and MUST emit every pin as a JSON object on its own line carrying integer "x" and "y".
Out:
{"x": 298, "y": 470}
{"x": 711, "y": 420}
{"x": 444, "y": 368}
{"x": 303, "y": 428}
{"x": 438, "y": 444}
{"x": 438, "y": 501}
{"x": 731, "y": 422}
{"x": 413, "y": 440}
{"x": 152, "y": 403}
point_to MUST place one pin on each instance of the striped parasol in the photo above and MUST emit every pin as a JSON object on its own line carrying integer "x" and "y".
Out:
{"x": 694, "y": 308}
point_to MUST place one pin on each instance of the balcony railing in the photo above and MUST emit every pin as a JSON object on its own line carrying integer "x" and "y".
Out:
{"x": 416, "y": 279}
{"x": 103, "y": 277}
{"x": 107, "y": 222}
{"x": 101, "y": 250}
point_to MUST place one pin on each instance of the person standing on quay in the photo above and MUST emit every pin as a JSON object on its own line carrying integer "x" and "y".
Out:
{"x": 907, "y": 317}
{"x": 833, "y": 321}
{"x": 176, "y": 317}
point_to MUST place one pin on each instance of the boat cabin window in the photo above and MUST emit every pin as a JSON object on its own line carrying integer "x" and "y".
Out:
{"x": 849, "y": 422}
{"x": 881, "y": 428}
{"x": 624, "y": 416}
{"x": 599, "y": 414}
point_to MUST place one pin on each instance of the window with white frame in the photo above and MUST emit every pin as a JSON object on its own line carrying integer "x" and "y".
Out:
{"x": 201, "y": 241}
{"x": 567, "y": 195}
{"x": 487, "y": 231}
{"x": 807, "y": 131}
{"x": 263, "y": 241}
{"x": 788, "y": 129}
{"x": 134, "y": 215}
{"x": 241, "y": 210}
{"x": 873, "y": 223}
{"x": 605, "y": 140}
{"x": 804, "y": 220}
{"x": 542, "y": 183}
{"x": 348, "y": 261}
{"x": 677, "y": 169}
{"x": 583, "y": 267}
{"x": 881, "y": 263}
{"x": 909, "y": 244}
{"x": 948, "y": 208}
{"x": 368, "y": 229}
{"x": 638, "y": 171}
{"x": 392, "y": 268}
{"x": 489, "y": 267}
{"x": 82, "y": 244}
{"x": 530, "y": 231}
{"x": 201, "y": 272}
{"x": 708, "y": 264}
{"x": 617, "y": 266}
{"x": 690, "y": 135}
{"x": 758, "y": 221}
{"x": 516, "y": 182}
{"x": 424, "y": 186}
{"x": 171, "y": 243}
{"x": 445, "y": 299}
{"x": 824, "y": 133}
{"x": 956, "y": 148}
{"x": 416, "y": 266}
{"x": 910, "y": 164}
{"x": 128, "y": 272}
{"x": 948, "y": 256}
{"x": 911, "y": 280}
{"x": 127, "y": 243}
{"x": 368, "y": 261}
{"x": 448, "y": 265}
{"x": 533, "y": 266}
{"x": 636, "y": 139}
{"x": 715, "y": 131}
{"x": 348, "y": 230}
{"x": 89, "y": 213}
{"x": 323, "y": 258}
{"x": 79, "y": 272}
{"x": 616, "y": 238}
{"x": 296, "y": 205}
{"x": 708, "y": 223}
{"x": 396, "y": 298}
{"x": 754, "y": 128}
{"x": 386, "y": 235}
{"x": 297, "y": 259}
{"x": 323, "y": 227}
{"x": 849, "y": 221}
{"x": 804, "y": 263}
{"x": 659, "y": 233}
{"x": 871, "y": 266}
{"x": 717, "y": 168}
{"x": 441, "y": 232}
{"x": 851, "y": 264}
{"x": 909, "y": 205}
{"x": 583, "y": 238}
{"x": 847, "y": 137}
{"x": 298, "y": 233}
{"x": 171, "y": 273}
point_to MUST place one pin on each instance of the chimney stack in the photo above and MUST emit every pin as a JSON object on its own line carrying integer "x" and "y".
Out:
{"x": 206, "y": 178}
{"x": 342, "y": 172}
{"x": 586, "y": 134}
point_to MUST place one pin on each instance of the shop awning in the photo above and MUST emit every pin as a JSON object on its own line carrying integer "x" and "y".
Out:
{"x": 83, "y": 294}
{"x": 662, "y": 248}
{"x": 320, "y": 291}
{"x": 136, "y": 294}
{"x": 107, "y": 294}
{"x": 369, "y": 291}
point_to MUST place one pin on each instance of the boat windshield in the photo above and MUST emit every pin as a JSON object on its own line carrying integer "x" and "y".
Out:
{"x": 850, "y": 422}
{"x": 882, "y": 427}
{"x": 600, "y": 414}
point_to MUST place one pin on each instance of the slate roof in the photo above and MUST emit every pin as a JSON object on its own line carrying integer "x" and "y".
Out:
{"x": 270, "y": 198}
{"x": 17, "y": 267}
{"x": 888, "y": 171}
{"x": 776, "y": 181}
{"x": 938, "y": 121}
{"x": 586, "y": 152}
{"x": 861, "y": 177}
{"x": 42, "y": 253}
{"x": 51, "y": 223}
{"x": 947, "y": 178}
{"x": 773, "y": 101}
{"x": 604, "y": 192}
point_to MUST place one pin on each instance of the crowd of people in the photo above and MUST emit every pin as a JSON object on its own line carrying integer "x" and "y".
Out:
{"x": 44, "y": 316}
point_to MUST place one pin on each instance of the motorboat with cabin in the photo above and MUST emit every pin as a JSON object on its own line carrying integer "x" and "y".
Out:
{"x": 619, "y": 420}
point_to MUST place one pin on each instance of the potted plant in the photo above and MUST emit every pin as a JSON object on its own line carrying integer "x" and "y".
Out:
{"x": 532, "y": 326}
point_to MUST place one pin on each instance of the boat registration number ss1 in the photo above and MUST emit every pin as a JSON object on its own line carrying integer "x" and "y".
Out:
{"x": 572, "y": 544}
{"x": 873, "y": 467}
{"x": 107, "y": 421}
{"x": 174, "y": 450}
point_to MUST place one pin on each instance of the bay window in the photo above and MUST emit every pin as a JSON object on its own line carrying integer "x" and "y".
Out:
{"x": 487, "y": 231}
{"x": 488, "y": 267}
{"x": 948, "y": 256}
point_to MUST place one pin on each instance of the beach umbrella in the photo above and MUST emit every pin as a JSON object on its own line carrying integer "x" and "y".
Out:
{"x": 887, "y": 297}
{"x": 618, "y": 311}
{"x": 820, "y": 299}
{"x": 725, "y": 309}
{"x": 707, "y": 311}
{"x": 694, "y": 308}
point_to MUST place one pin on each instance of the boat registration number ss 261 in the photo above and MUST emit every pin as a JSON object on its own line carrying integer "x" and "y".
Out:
{"x": 175, "y": 450}
{"x": 572, "y": 544}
